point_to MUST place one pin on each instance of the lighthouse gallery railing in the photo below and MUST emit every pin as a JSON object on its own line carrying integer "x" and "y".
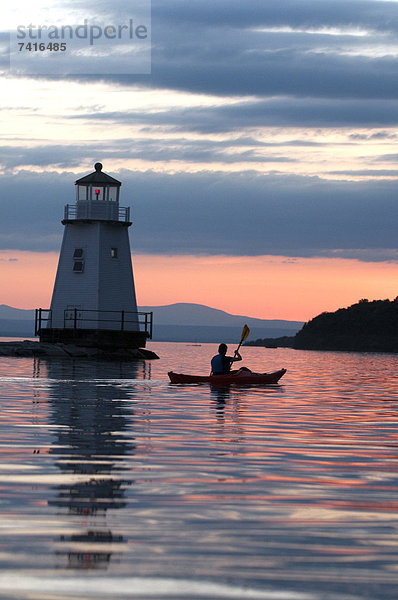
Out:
{"x": 97, "y": 210}
{"x": 76, "y": 318}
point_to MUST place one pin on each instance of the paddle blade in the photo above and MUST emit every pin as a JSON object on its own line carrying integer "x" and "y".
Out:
{"x": 245, "y": 333}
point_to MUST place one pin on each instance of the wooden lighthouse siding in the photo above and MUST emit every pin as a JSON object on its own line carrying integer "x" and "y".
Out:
{"x": 116, "y": 282}
{"x": 105, "y": 283}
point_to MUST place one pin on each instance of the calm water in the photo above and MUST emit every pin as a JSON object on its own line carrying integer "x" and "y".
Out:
{"x": 116, "y": 484}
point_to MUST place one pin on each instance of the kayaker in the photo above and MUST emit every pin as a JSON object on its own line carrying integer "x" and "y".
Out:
{"x": 221, "y": 363}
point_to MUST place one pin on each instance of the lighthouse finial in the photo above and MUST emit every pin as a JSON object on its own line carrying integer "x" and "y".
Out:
{"x": 98, "y": 167}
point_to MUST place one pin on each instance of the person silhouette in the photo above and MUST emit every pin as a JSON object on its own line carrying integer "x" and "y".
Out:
{"x": 221, "y": 363}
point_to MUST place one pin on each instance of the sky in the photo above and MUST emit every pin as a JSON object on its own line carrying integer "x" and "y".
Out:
{"x": 257, "y": 149}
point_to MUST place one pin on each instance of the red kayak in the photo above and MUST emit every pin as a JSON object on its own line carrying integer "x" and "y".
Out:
{"x": 238, "y": 378}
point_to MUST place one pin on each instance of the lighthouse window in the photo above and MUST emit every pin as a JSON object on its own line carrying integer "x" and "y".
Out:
{"x": 78, "y": 266}
{"x": 114, "y": 252}
{"x": 78, "y": 253}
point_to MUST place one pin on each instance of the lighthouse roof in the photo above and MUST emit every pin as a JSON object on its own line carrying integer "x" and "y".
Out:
{"x": 98, "y": 178}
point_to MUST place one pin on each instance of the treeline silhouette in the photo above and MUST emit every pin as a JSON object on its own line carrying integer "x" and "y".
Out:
{"x": 364, "y": 327}
{"x": 285, "y": 341}
{"x": 367, "y": 326}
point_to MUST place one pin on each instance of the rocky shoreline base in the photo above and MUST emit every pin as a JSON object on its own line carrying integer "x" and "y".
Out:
{"x": 28, "y": 348}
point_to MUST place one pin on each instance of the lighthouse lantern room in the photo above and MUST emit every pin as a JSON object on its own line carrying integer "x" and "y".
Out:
{"x": 93, "y": 301}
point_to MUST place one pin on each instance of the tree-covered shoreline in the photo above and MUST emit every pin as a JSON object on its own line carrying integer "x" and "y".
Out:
{"x": 367, "y": 326}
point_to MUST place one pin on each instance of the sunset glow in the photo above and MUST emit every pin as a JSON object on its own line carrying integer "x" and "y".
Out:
{"x": 267, "y": 287}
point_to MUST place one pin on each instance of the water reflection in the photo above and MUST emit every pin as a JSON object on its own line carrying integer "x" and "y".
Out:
{"x": 93, "y": 423}
{"x": 219, "y": 397}
{"x": 238, "y": 397}
{"x": 229, "y": 409}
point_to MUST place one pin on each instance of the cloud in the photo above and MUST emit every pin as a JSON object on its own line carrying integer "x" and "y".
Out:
{"x": 250, "y": 214}
{"x": 387, "y": 158}
{"x": 298, "y": 14}
{"x": 378, "y": 135}
{"x": 45, "y": 155}
{"x": 366, "y": 172}
{"x": 218, "y": 213}
{"x": 265, "y": 49}
{"x": 279, "y": 112}
{"x": 230, "y": 48}
{"x": 295, "y": 13}
{"x": 387, "y": 255}
{"x": 176, "y": 149}
{"x": 280, "y": 71}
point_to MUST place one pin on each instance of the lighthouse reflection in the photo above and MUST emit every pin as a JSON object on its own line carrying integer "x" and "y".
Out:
{"x": 93, "y": 423}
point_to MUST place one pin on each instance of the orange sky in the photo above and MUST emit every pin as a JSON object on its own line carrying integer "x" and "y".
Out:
{"x": 269, "y": 287}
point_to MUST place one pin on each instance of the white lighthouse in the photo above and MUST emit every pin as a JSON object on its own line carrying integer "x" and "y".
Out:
{"x": 93, "y": 301}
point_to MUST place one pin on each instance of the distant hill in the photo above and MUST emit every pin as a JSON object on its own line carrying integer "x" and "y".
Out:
{"x": 17, "y": 328}
{"x": 182, "y": 313}
{"x": 362, "y": 327}
{"x": 8, "y": 312}
{"x": 188, "y": 322}
{"x": 16, "y": 322}
{"x": 180, "y": 322}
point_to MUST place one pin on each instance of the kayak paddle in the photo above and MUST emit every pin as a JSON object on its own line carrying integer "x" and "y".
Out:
{"x": 245, "y": 335}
